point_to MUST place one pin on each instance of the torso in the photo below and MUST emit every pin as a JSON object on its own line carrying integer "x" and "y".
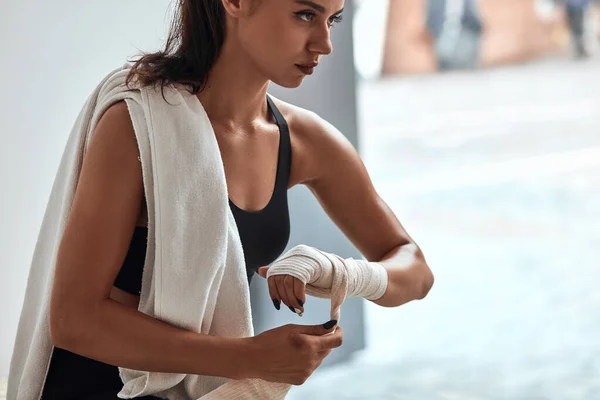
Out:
{"x": 250, "y": 183}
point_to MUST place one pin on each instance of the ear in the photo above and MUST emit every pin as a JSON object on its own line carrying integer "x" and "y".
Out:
{"x": 238, "y": 8}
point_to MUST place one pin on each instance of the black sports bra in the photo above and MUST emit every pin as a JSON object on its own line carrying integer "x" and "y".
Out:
{"x": 264, "y": 233}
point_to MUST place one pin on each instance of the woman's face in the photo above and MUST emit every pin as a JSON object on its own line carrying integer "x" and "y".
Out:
{"x": 284, "y": 38}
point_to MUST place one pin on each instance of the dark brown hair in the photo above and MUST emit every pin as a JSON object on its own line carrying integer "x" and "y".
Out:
{"x": 195, "y": 39}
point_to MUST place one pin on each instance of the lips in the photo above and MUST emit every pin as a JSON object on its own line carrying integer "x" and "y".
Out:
{"x": 307, "y": 69}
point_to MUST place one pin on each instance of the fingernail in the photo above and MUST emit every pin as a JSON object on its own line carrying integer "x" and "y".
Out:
{"x": 300, "y": 302}
{"x": 296, "y": 311}
{"x": 330, "y": 324}
{"x": 277, "y": 304}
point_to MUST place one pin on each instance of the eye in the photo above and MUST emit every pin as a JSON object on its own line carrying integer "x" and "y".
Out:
{"x": 309, "y": 16}
{"x": 306, "y": 16}
{"x": 336, "y": 19}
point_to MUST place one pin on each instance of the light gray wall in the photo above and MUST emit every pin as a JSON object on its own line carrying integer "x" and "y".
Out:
{"x": 54, "y": 54}
{"x": 331, "y": 92}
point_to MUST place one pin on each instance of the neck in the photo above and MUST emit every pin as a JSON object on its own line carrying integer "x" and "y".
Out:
{"x": 235, "y": 92}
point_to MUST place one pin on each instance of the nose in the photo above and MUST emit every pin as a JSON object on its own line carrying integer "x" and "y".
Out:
{"x": 321, "y": 41}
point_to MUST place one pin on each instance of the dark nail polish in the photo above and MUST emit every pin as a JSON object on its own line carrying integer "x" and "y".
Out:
{"x": 330, "y": 324}
{"x": 300, "y": 302}
{"x": 292, "y": 309}
{"x": 277, "y": 304}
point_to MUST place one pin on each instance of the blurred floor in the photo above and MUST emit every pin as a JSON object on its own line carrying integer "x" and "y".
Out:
{"x": 496, "y": 174}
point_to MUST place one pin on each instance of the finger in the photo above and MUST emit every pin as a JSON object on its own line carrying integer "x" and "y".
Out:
{"x": 321, "y": 358}
{"x": 331, "y": 341}
{"x": 280, "y": 282}
{"x": 293, "y": 304}
{"x": 316, "y": 330}
{"x": 274, "y": 293}
{"x": 324, "y": 353}
{"x": 292, "y": 291}
{"x": 262, "y": 271}
{"x": 319, "y": 329}
{"x": 299, "y": 292}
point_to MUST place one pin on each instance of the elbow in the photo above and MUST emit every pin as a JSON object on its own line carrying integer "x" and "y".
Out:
{"x": 426, "y": 282}
{"x": 407, "y": 285}
{"x": 65, "y": 325}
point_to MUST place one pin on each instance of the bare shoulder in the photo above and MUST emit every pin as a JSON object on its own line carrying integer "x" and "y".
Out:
{"x": 316, "y": 143}
{"x": 338, "y": 178}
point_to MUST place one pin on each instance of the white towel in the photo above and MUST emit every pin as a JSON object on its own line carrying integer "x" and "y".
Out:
{"x": 194, "y": 275}
{"x": 193, "y": 243}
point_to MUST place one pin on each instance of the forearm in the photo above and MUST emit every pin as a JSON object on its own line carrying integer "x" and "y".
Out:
{"x": 117, "y": 335}
{"x": 400, "y": 276}
{"x": 409, "y": 276}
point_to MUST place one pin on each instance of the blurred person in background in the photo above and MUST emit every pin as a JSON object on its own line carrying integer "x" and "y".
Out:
{"x": 576, "y": 11}
{"x": 456, "y": 27}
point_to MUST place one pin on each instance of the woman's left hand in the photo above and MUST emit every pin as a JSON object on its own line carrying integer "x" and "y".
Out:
{"x": 286, "y": 288}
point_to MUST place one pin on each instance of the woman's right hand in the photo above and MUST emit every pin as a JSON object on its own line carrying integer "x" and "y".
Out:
{"x": 291, "y": 353}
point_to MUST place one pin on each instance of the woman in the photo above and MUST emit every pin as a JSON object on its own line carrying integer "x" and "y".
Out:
{"x": 235, "y": 47}
{"x": 456, "y": 29}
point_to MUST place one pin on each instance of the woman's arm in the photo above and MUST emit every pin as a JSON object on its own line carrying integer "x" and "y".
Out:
{"x": 115, "y": 334}
{"x": 83, "y": 317}
{"x": 409, "y": 277}
{"x": 402, "y": 274}
{"x": 342, "y": 185}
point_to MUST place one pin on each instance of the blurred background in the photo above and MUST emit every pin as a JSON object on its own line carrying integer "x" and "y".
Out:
{"x": 479, "y": 123}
